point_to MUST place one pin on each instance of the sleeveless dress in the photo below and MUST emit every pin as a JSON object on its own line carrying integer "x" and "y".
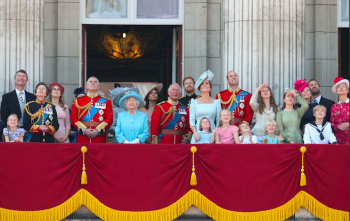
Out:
{"x": 63, "y": 117}
{"x": 198, "y": 111}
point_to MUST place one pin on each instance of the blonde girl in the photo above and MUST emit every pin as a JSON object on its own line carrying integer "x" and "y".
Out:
{"x": 270, "y": 134}
{"x": 12, "y": 133}
{"x": 226, "y": 133}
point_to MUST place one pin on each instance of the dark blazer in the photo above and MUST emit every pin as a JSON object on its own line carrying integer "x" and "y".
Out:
{"x": 2, "y": 125}
{"x": 328, "y": 104}
{"x": 10, "y": 105}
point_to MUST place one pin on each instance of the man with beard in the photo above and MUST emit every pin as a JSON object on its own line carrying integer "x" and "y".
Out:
{"x": 188, "y": 84}
{"x": 316, "y": 94}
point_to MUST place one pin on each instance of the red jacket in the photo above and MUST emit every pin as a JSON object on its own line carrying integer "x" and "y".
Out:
{"x": 96, "y": 112}
{"x": 237, "y": 101}
{"x": 168, "y": 117}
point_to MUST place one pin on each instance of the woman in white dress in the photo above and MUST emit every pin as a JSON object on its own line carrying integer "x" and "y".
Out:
{"x": 264, "y": 105}
{"x": 205, "y": 106}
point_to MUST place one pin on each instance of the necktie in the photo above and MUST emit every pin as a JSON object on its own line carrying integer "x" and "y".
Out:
{"x": 315, "y": 101}
{"x": 20, "y": 96}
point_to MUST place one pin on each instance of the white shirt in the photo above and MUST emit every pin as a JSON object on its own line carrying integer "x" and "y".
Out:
{"x": 318, "y": 99}
{"x": 312, "y": 136}
{"x": 247, "y": 141}
{"x": 346, "y": 101}
{"x": 23, "y": 95}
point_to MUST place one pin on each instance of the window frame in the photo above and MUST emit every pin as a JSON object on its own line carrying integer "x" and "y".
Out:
{"x": 341, "y": 24}
{"x": 131, "y": 16}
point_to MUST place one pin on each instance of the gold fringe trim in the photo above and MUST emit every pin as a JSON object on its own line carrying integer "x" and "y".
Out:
{"x": 53, "y": 214}
{"x": 192, "y": 197}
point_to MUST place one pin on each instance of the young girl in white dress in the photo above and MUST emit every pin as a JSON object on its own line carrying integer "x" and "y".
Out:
{"x": 12, "y": 133}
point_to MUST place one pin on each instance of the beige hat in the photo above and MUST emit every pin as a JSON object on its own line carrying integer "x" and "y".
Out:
{"x": 158, "y": 86}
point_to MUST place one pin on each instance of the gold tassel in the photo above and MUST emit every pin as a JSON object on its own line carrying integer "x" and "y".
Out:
{"x": 302, "y": 176}
{"x": 193, "y": 175}
{"x": 83, "y": 175}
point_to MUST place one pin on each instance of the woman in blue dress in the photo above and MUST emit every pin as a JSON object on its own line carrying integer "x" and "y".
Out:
{"x": 132, "y": 126}
{"x": 205, "y": 106}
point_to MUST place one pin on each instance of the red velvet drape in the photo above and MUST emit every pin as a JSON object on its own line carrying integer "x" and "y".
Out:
{"x": 244, "y": 178}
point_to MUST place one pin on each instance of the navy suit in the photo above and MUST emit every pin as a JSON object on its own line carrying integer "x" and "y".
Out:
{"x": 10, "y": 105}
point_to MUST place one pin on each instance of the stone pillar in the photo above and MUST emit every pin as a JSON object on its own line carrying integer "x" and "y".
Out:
{"x": 195, "y": 47}
{"x": 21, "y": 42}
{"x": 264, "y": 43}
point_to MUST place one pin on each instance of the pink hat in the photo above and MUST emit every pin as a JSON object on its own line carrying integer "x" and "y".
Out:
{"x": 337, "y": 81}
{"x": 299, "y": 85}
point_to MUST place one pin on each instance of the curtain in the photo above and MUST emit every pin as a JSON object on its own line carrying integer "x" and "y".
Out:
{"x": 344, "y": 10}
{"x": 161, "y": 9}
{"x": 106, "y": 8}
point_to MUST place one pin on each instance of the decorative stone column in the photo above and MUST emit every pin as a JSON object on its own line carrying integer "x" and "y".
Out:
{"x": 21, "y": 42}
{"x": 264, "y": 43}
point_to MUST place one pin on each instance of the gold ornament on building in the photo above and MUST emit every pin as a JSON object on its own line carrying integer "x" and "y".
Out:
{"x": 125, "y": 46}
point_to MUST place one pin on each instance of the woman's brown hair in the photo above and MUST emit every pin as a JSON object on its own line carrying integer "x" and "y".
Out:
{"x": 61, "y": 100}
{"x": 209, "y": 84}
{"x": 261, "y": 102}
{"x": 284, "y": 103}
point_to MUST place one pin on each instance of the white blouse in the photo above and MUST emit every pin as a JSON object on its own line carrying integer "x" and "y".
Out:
{"x": 261, "y": 119}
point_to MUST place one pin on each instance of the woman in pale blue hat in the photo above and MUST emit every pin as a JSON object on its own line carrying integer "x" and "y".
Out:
{"x": 132, "y": 126}
{"x": 205, "y": 106}
{"x": 116, "y": 94}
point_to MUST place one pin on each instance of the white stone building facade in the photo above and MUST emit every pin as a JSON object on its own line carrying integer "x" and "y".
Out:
{"x": 276, "y": 42}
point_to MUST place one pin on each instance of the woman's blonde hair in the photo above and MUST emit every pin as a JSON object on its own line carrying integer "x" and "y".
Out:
{"x": 8, "y": 118}
{"x": 220, "y": 121}
{"x": 268, "y": 122}
{"x": 61, "y": 100}
{"x": 200, "y": 124}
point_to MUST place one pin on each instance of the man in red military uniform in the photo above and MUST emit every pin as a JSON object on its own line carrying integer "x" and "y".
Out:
{"x": 92, "y": 114}
{"x": 236, "y": 100}
{"x": 170, "y": 119}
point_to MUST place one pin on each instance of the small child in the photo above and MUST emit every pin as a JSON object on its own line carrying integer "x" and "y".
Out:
{"x": 204, "y": 134}
{"x": 270, "y": 132}
{"x": 12, "y": 133}
{"x": 246, "y": 137}
{"x": 226, "y": 133}
{"x": 319, "y": 131}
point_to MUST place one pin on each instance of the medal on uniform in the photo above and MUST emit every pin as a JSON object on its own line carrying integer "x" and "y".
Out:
{"x": 100, "y": 118}
{"x": 181, "y": 124}
{"x": 101, "y": 112}
{"x": 47, "y": 110}
{"x": 47, "y": 122}
{"x": 50, "y": 116}
{"x": 241, "y": 105}
{"x": 183, "y": 119}
{"x": 241, "y": 113}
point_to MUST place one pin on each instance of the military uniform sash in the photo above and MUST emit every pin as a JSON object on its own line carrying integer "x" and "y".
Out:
{"x": 172, "y": 123}
{"x": 100, "y": 104}
{"x": 240, "y": 98}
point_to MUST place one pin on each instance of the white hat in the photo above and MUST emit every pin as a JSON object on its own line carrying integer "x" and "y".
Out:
{"x": 337, "y": 81}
